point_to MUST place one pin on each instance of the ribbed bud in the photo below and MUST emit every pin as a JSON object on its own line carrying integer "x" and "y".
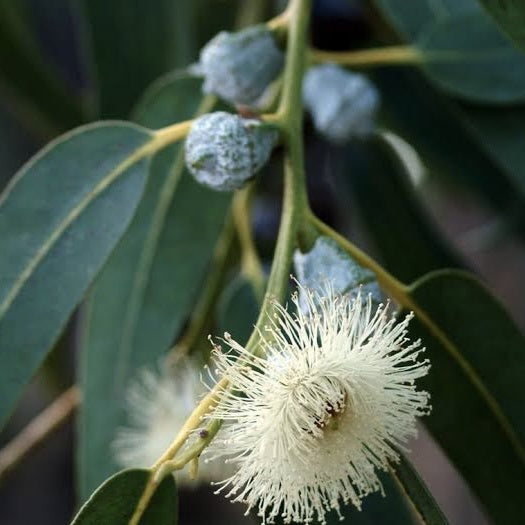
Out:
{"x": 342, "y": 104}
{"x": 238, "y": 67}
{"x": 325, "y": 263}
{"x": 223, "y": 150}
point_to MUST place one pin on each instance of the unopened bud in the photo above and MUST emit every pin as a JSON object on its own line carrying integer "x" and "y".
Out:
{"x": 342, "y": 104}
{"x": 223, "y": 150}
{"x": 327, "y": 262}
{"x": 238, "y": 67}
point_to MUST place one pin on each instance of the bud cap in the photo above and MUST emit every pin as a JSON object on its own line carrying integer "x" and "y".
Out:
{"x": 327, "y": 262}
{"x": 342, "y": 103}
{"x": 223, "y": 150}
{"x": 238, "y": 67}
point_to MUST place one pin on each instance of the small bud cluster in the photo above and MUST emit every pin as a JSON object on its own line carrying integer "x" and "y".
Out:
{"x": 238, "y": 67}
{"x": 223, "y": 150}
{"x": 342, "y": 103}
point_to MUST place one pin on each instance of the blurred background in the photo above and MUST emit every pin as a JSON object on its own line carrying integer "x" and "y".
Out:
{"x": 64, "y": 63}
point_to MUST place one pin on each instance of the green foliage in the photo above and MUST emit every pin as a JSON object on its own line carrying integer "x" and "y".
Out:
{"x": 477, "y": 398}
{"x": 59, "y": 219}
{"x": 510, "y": 15}
{"x": 458, "y": 60}
{"x": 106, "y": 217}
{"x": 115, "y": 500}
{"x": 424, "y": 504}
{"x": 482, "y": 147}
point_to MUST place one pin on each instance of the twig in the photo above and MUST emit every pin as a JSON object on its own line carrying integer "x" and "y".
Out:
{"x": 39, "y": 429}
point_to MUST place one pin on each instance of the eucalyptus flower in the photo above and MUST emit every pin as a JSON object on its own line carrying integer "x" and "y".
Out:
{"x": 158, "y": 404}
{"x": 311, "y": 419}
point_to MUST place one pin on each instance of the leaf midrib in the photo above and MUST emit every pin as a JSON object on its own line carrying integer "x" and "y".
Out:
{"x": 468, "y": 369}
{"x": 137, "y": 155}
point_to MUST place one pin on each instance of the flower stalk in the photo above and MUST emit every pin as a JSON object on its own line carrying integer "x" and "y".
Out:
{"x": 383, "y": 56}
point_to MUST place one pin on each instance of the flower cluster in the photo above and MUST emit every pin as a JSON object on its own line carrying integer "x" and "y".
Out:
{"x": 309, "y": 424}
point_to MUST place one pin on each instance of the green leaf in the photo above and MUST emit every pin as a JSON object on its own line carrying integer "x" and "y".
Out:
{"x": 133, "y": 43}
{"x": 60, "y": 217}
{"x": 510, "y": 15}
{"x": 476, "y": 382}
{"x": 411, "y": 17}
{"x": 114, "y": 502}
{"x": 483, "y": 149}
{"x": 418, "y": 494}
{"x": 467, "y": 56}
{"x": 404, "y": 234}
{"x": 145, "y": 292}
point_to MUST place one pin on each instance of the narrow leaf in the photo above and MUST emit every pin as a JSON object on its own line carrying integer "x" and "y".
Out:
{"x": 478, "y": 362}
{"x": 60, "y": 218}
{"x": 114, "y": 502}
{"x": 418, "y": 494}
{"x": 144, "y": 294}
{"x": 510, "y": 15}
{"x": 468, "y": 56}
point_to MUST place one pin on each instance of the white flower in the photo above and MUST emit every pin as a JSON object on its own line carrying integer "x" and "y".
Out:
{"x": 309, "y": 425}
{"x": 158, "y": 404}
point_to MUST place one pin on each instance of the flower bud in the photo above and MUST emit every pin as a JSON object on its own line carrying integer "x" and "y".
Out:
{"x": 327, "y": 262}
{"x": 238, "y": 67}
{"x": 342, "y": 103}
{"x": 223, "y": 150}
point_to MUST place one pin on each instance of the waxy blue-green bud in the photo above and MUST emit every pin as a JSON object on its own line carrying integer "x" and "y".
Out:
{"x": 326, "y": 263}
{"x": 342, "y": 104}
{"x": 223, "y": 150}
{"x": 238, "y": 67}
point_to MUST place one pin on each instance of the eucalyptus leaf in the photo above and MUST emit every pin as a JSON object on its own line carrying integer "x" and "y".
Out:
{"x": 418, "y": 494}
{"x": 114, "y": 502}
{"x": 510, "y": 15}
{"x": 478, "y": 361}
{"x": 60, "y": 217}
{"x": 477, "y": 64}
{"x": 473, "y": 151}
{"x": 412, "y": 17}
{"x": 145, "y": 293}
